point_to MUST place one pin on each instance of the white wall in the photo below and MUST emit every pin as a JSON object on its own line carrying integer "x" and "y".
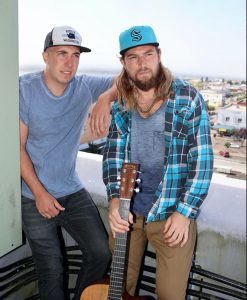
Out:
{"x": 10, "y": 199}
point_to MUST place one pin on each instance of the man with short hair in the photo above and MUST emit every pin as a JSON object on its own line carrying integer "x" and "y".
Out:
{"x": 54, "y": 106}
{"x": 160, "y": 123}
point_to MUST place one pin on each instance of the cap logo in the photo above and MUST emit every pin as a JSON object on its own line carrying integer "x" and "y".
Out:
{"x": 136, "y": 36}
{"x": 71, "y": 35}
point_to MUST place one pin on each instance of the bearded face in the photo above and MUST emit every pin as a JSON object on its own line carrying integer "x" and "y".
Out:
{"x": 142, "y": 65}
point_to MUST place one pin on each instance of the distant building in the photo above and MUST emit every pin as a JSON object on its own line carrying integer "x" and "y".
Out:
{"x": 215, "y": 98}
{"x": 237, "y": 88}
{"x": 233, "y": 115}
{"x": 217, "y": 85}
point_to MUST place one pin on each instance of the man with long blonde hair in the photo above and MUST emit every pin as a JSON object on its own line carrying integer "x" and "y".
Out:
{"x": 161, "y": 123}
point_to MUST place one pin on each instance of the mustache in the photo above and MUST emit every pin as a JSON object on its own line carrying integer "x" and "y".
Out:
{"x": 141, "y": 69}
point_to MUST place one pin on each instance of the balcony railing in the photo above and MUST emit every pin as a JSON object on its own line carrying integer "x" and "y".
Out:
{"x": 202, "y": 284}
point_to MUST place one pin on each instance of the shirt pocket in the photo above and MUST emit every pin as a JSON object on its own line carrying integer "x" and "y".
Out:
{"x": 180, "y": 121}
{"x": 158, "y": 141}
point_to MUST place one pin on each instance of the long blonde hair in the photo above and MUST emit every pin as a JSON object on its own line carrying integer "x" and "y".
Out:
{"x": 126, "y": 88}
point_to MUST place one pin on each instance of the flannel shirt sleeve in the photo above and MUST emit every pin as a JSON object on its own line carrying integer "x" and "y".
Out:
{"x": 113, "y": 158}
{"x": 200, "y": 160}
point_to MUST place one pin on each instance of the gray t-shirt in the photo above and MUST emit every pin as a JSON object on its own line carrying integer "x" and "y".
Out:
{"x": 148, "y": 149}
{"x": 55, "y": 125}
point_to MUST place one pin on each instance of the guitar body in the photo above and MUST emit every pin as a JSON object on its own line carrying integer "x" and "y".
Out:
{"x": 99, "y": 291}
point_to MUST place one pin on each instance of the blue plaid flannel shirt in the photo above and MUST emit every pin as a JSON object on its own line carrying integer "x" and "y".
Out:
{"x": 188, "y": 161}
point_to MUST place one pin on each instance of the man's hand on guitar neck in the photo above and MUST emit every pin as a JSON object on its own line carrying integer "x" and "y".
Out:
{"x": 117, "y": 224}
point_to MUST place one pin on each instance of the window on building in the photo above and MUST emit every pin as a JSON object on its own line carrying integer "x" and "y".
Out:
{"x": 227, "y": 119}
{"x": 239, "y": 120}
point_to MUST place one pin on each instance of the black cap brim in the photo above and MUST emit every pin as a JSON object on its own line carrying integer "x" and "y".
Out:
{"x": 84, "y": 49}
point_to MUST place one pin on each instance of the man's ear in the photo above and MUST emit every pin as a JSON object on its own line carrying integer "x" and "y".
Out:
{"x": 159, "y": 54}
{"x": 122, "y": 61}
{"x": 45, "y": 56}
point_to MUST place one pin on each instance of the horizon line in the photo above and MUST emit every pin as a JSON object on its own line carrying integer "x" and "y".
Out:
{"x": 29, "y": 68}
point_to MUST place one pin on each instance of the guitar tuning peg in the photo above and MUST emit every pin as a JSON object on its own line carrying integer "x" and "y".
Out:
{"x": 137, "y": 190}
{"x": 118, "y": 177}
{"x": 138, "y": 180}
{"x": 139, "y": 172}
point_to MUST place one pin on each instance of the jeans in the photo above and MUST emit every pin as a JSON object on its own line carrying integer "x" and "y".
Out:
{"x": 82, "y": 221}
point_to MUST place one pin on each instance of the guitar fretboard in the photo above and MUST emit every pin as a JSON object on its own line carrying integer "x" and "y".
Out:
{"x": 118, "y": 262}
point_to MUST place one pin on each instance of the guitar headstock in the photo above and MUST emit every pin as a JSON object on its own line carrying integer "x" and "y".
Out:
{"x": 128, "y": 180}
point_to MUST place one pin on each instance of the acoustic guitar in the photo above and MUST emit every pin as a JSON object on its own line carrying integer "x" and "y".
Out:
{"x": 113, "y": 289}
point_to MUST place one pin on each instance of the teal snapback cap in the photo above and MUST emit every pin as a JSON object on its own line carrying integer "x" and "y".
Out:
{"x": 137, "y": 36}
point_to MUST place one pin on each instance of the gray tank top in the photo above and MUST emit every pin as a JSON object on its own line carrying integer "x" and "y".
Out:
{"x": 148, "y": 150}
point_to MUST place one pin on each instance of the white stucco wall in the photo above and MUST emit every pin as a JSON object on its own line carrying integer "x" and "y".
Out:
{"x": 223, "y": 211}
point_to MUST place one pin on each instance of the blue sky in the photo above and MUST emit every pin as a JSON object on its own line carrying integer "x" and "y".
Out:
{"x": 198, "y": 37}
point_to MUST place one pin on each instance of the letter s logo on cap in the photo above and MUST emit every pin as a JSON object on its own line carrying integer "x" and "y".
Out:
{"x": 136, "y": 36}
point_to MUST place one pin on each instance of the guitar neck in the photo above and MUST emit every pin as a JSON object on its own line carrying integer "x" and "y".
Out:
{"x": 118, "y": 262}
{"x": 128, "y": 177}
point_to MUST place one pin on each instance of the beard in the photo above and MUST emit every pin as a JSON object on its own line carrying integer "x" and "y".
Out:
{"x": 145, "y": 84}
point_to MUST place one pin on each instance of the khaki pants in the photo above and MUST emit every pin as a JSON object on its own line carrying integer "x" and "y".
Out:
{"x": 172, "y": 264}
